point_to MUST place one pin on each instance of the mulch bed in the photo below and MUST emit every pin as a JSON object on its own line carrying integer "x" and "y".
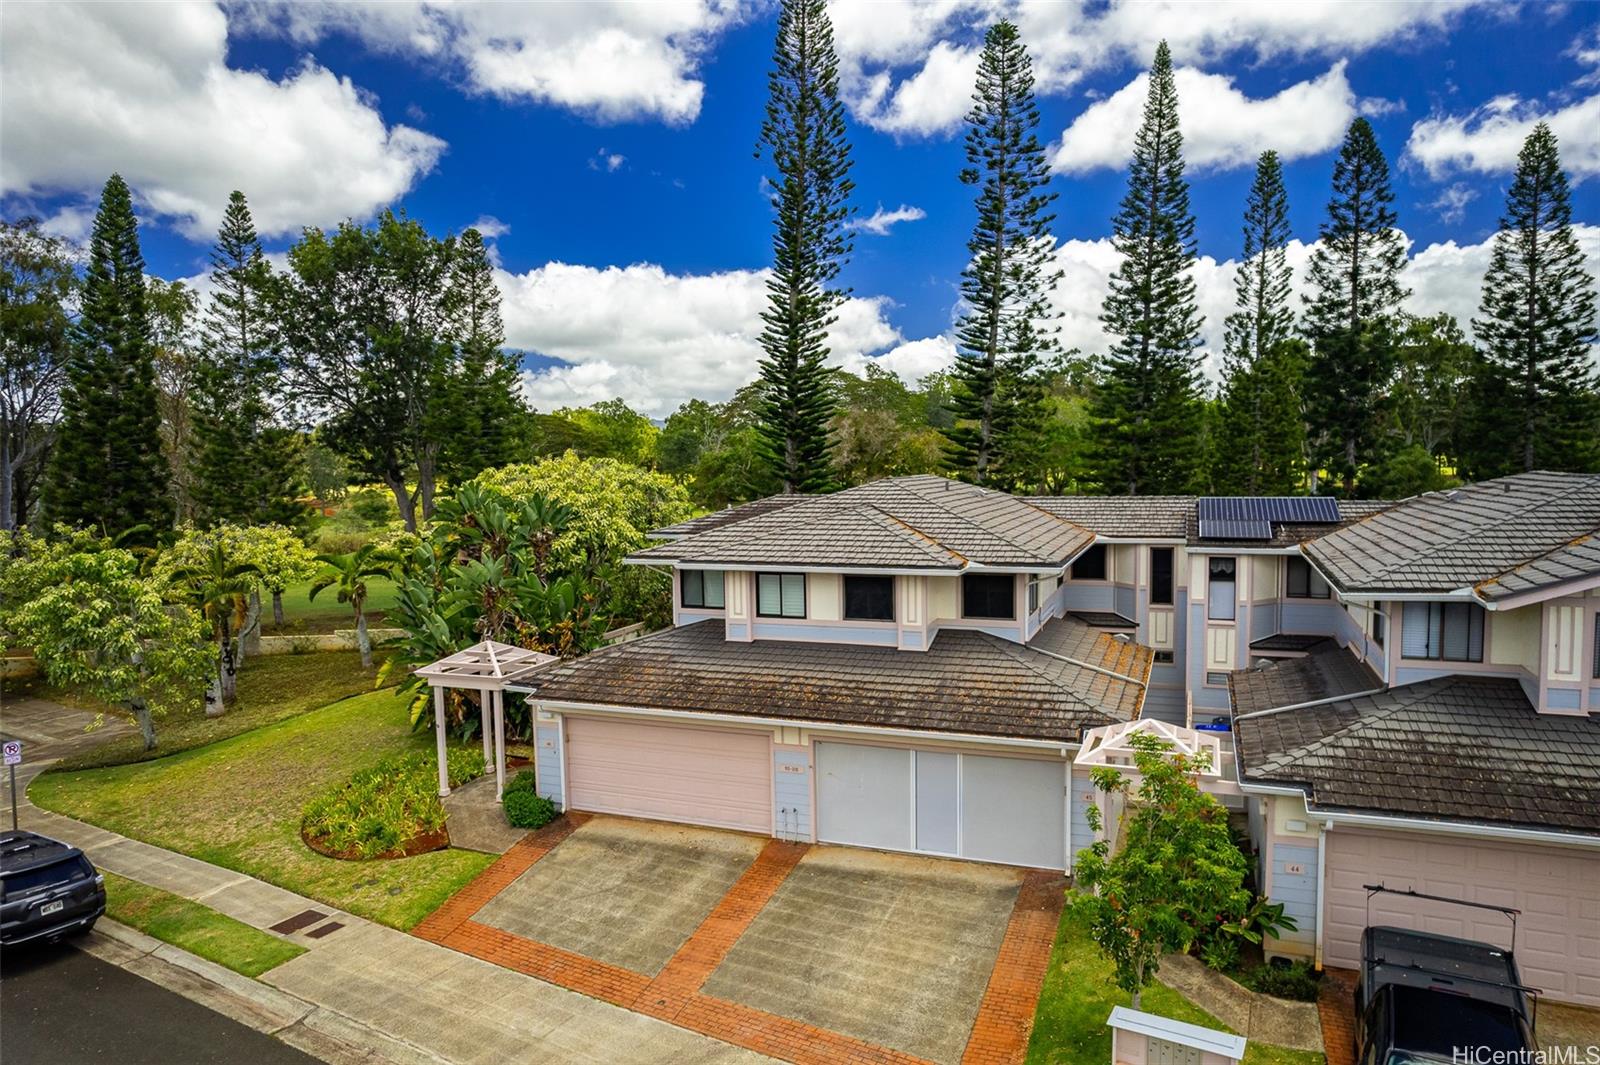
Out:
{"x": 418, "y": 844}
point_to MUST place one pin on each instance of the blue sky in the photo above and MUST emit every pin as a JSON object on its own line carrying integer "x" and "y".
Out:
{"x": 610, "y": 147}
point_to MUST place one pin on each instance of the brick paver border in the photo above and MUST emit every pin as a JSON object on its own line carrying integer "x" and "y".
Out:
{"x": 1005, "y": 1018}
{"x": 1000, "y": 1030}
{"x": 1337, "y": 1009}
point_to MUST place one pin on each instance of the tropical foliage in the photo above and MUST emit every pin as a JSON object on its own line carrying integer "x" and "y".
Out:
{"x": 380, "y": 810}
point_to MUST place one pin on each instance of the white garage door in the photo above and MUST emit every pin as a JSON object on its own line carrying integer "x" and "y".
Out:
{"x": 987, "y": 807}
{"x": 697, "y": 776}
{"x": 1556, "y": 888}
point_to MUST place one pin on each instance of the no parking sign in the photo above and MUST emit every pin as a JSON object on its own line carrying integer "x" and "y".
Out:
{"x": 13, "y": 752}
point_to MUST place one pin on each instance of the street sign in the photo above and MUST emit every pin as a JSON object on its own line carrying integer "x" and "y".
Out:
{"x": 13, "y": 752}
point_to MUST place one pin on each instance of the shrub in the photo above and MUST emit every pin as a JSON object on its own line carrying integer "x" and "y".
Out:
{"x": 1296, "y": 980}
{"x": 1220, "y": 953}
{"x": 524, "y": 807}
{"x": 381, "y": 809}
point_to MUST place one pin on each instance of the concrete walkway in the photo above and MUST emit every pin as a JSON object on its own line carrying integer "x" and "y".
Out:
{"x": 476, "y": 821}
{"x": 1260, "y": 1018}
{"x": 424, "y": 1002}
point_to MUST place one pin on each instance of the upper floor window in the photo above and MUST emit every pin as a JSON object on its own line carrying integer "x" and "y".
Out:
{"x": 1033, "y": 596}
{"x": 781, "y": 595}
{"x": 1161, "y": 559}
{"x": 988, "y": 595}
{"x": 1302, "y": 581}
{"x": 1447, "y": 632}
{"x": 1380, "y": 625}
{"x": 702, "y": 588}
{"x": 1597, "y": 647}
{"x": 868, "y": 598}
{"x": 1220, "y": 572}
{"x": 1091, "y": 565}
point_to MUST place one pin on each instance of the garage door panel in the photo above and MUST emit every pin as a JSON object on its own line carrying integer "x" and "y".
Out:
{"x": 698, "y": 776}
{"x": 1553, "y": 887}
{"x": 864, "y": 795}
{"x": 1012, "y": 810}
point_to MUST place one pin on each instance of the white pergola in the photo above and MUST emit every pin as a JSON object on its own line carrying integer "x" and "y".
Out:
{"x": 486, "y": 668}
{"x": 1112, "y": 745}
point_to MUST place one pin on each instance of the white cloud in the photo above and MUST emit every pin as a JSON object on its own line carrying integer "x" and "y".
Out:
{"x": 490, "y": 227}
{"x": 912, "y": 361}
{"x": 890, "y": 51}
{"x": 654, "y": 338}
{"x": 145, "y": 90}
{"x": 1222, "y": 128}
{"x": 1451, "y": 203}
{"x": 879, "y": 222}
{"x": 1487, "y": 140}
{"x": 613, "y": 61}
{"x": 610, "y": 162}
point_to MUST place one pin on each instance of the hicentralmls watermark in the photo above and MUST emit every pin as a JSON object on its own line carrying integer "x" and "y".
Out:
{"x": 1565, "y": 1055}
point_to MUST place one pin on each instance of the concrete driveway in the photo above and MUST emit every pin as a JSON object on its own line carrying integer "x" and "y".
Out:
{"x": 811, "y": 953}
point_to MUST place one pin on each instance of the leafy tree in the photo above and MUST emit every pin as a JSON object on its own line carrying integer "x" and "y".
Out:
{"x": 1428, "y": 397}
{"x": 246, "y": 467}
{"x": 38, "y": 288}
{"x": 276, "y": 553}
{"x": 879, "y": 430}
{"x": 484, "y": 422}
{"x": 327, "y": 472}
{"x": 1166, "y": 873}
{"x": 1408, "y": 471}
{"x": 1005, "y": 284}
{"x": 348, "y": 574}
{"x": 608, "y": 429}
{"x": 173, "y": 307}
{"x": 220, "y": 588}
{"x": 1536, "y": 402}
{"x": 107, "y": 470}
{"x": 1351, "y": 309}
{"x": 1148, "y": 414}
{"x": 1259, "y": 436}
{"x": 803, "y": 134}
{"x": 715, "y": 447}
{"x": 99, "y": 625}
{"x": 1049, "y": 456}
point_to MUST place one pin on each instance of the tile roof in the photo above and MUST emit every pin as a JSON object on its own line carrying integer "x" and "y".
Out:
{"x": 1502, "y": 537}
{"x": 1458, "y": 748}
{"x": 727, "y": 516}
{"x": 1292, "y": 534}
{"x": 922, "y": 522}
{"x": 1288, "y": 682}
{"x": 967, "y": 682}
{"x": 1124, "y": 517}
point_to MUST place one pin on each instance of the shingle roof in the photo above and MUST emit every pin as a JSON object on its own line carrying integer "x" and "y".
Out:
{"x": 922, "y": 522}
{"x": 967, "y": 682}
{"x": 1505, "y": 536}
{"x": 727, "y": 516}
{"x": 1457, "y": 748}
{"x": 1291, "y": 681}
{"x": 1125, "y": 517}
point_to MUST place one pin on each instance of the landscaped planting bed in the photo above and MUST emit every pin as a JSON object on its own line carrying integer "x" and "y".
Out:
{"x": 391, "y": 810}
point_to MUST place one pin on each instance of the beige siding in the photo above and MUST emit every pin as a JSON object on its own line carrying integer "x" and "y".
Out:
{"x": 1264, "y": 576}
{"x": 942, "y": 594}
{"x": 1513, "y": 638}
{"x": 824, "y": 596}
{"x": 1120, "y": 563}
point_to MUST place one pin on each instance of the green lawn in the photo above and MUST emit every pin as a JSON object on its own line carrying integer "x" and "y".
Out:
{"x": 238, "y": 804}
{"x": 271, "y": 688}
{"x": 1069, "y": 1027}
{"x": 325, "y": 613}
{"x": 195, "y": 928}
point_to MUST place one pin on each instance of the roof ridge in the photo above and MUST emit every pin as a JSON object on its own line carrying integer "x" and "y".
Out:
{"x": 933, "y": 542}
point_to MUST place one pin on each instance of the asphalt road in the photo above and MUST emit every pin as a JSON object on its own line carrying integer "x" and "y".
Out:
{"x": 60, "y": 1006}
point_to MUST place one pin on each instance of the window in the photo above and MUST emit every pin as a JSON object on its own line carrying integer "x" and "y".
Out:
{"x": 1033, "y": 597}
{"x": 1216, "y": 679}
{"x": 988, "y": 595}
{"x": 1597, "y": 647}
{"x": 1219, "y": 592}
{"x": 869, "y": 598}
{"x": 781, "y": 595}
{"x": 1303, "y": 582}
{"x": 1378, "y": 625}
{"x": 1161, "y": 575}
{"x": 702, "y": 588}
{"x": 1447, "y": 632}
{"x": 1091, "y": 565}
{"x": 1163, "y": 656}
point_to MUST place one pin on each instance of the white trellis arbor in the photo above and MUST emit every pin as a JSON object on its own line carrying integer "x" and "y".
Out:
{"x": 486, "y": 668}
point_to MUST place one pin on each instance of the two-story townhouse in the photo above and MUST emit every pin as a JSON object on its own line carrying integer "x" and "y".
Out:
{"x": 1446, "y": 741}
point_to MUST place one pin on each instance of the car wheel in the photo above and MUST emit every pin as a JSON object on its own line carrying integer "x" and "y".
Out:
{"x": 79, "y": 933}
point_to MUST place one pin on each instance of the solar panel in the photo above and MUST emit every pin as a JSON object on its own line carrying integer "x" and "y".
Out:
{"x": 1234, "y": 529}
{"x": 1300, "y": 509}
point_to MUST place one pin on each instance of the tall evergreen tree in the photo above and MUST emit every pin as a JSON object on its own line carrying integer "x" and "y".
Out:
{"x": 485, "y": 421}
{"x": 1534, "y": 393}
{"x": 998, "y": 398}
{"x": 1149, "y": 412}
{"x": 107, "y": 470}
{"x": 243, "y": 468}
{"x": 1351, "y": 309}
{"x": 804, "y": 136}
{"x": 1259, "y": 433}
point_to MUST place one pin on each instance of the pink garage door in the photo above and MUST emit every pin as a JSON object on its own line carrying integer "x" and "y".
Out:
{"x": 698, "y": 776}
{"x": 1556, "y": 888}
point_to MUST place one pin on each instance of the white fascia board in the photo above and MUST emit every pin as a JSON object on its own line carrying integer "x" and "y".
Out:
{"x": 1208, "y": 549}
{"x": 1540, "y": 595}
{"x": 1059, "y": 747}
{"x": 1159, "y": 541}
{"x": 904, "y": 571}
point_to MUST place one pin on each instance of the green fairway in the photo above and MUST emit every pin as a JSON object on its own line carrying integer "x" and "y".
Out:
{"x": 325, "y": 613}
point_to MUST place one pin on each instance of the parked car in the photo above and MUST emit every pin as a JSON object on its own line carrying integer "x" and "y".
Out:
{"x": 1422, "y": 996}
{"x": 48, "y": 889}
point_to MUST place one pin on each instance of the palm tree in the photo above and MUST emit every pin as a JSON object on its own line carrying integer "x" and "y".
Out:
{"x": 221, "y": 590}
{"x": 349, "y": 573}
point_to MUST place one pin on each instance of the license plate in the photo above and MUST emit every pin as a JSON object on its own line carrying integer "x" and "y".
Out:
{"x": 51, "y": 907}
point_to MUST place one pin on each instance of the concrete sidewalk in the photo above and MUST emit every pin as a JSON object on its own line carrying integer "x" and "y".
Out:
{"x": 365, "y": 983}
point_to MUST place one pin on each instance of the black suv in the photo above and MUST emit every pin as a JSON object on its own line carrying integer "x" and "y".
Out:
{"x": 48, "y": 889}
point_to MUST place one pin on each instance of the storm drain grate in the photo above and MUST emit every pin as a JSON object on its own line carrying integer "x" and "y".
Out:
{"x": 303, "y": 919}
{"x": 327, "y": 929}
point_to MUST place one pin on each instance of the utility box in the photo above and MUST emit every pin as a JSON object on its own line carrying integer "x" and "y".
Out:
{"x": 1139, "y": 1038}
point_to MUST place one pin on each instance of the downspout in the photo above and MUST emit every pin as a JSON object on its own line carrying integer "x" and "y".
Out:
{"x": 1322, "y": 880}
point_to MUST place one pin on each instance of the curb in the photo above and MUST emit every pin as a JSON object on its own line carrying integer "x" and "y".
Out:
{"x": 323, "y": 1033}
